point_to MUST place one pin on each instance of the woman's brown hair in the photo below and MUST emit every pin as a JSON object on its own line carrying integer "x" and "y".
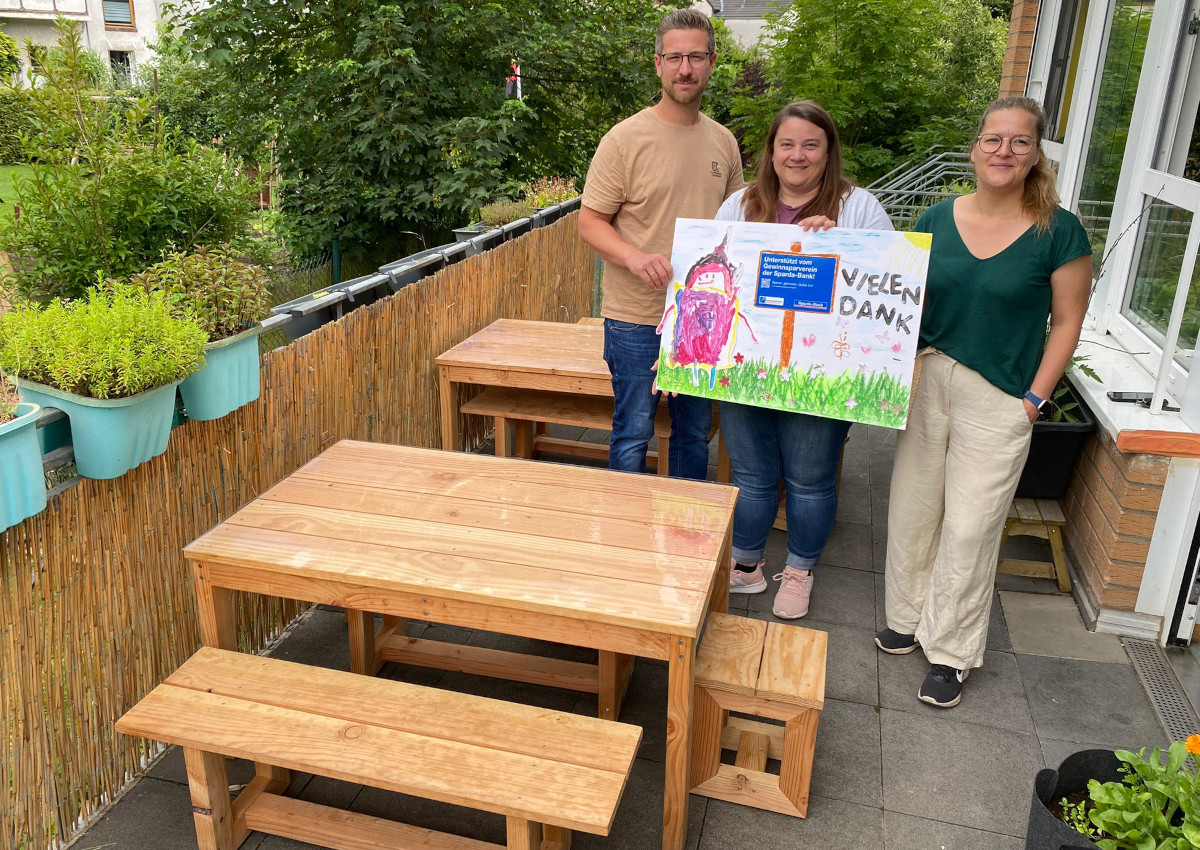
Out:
{"x": 762, "y": 197}
{"x": 1041, "y": 196}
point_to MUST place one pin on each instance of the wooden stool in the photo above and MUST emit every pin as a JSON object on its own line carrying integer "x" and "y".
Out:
{"x": 1041, "y": 518}
{"x": 766, "y": 670}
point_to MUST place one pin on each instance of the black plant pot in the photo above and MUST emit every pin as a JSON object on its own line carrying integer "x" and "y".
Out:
{"x": 1046, "y": 832}
{"x": 1052, "y": 454}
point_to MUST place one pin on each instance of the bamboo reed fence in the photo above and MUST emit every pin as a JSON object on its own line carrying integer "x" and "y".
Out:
{"x": 96, "y": 603}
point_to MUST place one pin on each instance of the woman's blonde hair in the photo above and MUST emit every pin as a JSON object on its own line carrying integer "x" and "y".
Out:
{"x": 762, "y": 197}
{"x": 1041, "y": 196}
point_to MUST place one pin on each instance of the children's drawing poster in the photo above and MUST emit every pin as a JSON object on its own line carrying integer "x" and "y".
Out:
{"x": 775, "y": 316}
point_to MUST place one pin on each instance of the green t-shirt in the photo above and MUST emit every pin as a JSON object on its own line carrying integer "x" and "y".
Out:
{"x": 990, "y": 315}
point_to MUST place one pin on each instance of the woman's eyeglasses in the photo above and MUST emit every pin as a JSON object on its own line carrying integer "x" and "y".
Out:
{"x": 1019, "y": 145}
{"x": 674, "y": 60}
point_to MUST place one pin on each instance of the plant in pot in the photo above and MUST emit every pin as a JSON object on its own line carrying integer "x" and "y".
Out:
{"x": 226, "y": 297}
{"x": 493, "y": 215}
{"x": 111, "y": 363}
{"x": 1059, "y": 436}
{"x": 548, "y": 191}
{"x": 1118, "y": 800}
{"x": 22, "y": 483}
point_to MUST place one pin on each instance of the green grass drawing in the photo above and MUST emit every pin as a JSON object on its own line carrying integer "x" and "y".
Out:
{"x": 872, "y": 398}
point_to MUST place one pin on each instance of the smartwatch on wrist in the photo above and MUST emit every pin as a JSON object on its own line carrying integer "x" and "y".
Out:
{"x": 1035, "y": 400}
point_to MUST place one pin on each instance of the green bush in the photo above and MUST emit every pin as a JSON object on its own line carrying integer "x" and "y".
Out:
{"x": 118, "y": 342}
{"x": 112, "y": 190}
{"x": 14, "y": 123}
{"x": 504, "y": 212}
{"x": 222, "y": 294}
{"x": 10, "y": 56}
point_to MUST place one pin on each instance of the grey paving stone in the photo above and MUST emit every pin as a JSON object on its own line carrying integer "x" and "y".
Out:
{"x": 846, "y": 765}
{"x": 878, "y": 550}
{"x": 998, "y": 638}
{"x": 429, "y": 814}
{"x": 319, "y": 640}
{"x": 961, "y": 773}
{"x": 595, "y": 435}
{"x": 993, "y": 695}
{"x": 905, "y": 832}
{"x": 645, "y": 705}
{"x": 880, "y": 494}
{"x": 840, "y": 596}
{"x": 170, "y": 768}
{"x": 1088, "y": 701}
{"x": 565, "y": 432}
{"x": 854, "y": 503}
{"x": 849, "y": 545}
{"x": 851, "y": 670}
{"x": 880, "y": 602}
{"x": 638, "y": 824}
{"x": 830, "y": 823}
{"x": 151, "y": 816}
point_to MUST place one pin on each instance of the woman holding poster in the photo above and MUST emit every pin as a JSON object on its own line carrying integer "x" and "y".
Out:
{"x": 799, "y": 180}
{"x": 1003, "y": 258}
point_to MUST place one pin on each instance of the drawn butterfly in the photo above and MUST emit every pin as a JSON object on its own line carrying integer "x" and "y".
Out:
{"x": 883, "y": 336}
{"x": 866, "y": 349}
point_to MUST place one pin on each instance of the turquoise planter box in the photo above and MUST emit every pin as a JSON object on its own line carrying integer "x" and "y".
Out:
{"x": 228, "y": 380}
{"x": 111, "y": 436}
{"x": 22, "y": 483}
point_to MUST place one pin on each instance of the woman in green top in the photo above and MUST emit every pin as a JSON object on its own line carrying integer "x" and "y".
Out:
{"x": 1003, "y": 259}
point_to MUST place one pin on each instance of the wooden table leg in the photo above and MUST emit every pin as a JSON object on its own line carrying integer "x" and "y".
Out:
{"x": 720, "y": 591}
{"x": 679, "y": 721}
{"x": 449, "y": 411}
{"x": 614, "y": 672}
{"x": 212, "y": 811}
{"x": 214, "y": 606}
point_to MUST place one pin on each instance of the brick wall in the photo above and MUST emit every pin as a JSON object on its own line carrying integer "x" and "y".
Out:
{"x": 1020, "y": 46}
{"x": 1111, "y": 509}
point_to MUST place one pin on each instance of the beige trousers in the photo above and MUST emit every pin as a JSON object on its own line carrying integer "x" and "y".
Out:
{"x": 956, "y": 470}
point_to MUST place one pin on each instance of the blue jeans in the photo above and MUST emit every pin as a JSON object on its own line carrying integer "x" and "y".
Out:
{"x": 766, "y": 445}
{"x": 630, "y": 350}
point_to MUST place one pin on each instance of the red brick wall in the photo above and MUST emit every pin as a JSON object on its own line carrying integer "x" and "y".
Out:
{"x": 1111, "y": 509}
{"x": 1020, "y": 46}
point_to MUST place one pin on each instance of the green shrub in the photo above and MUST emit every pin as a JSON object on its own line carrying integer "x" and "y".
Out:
{"x": 14, "y": 123}
{"x": 117, "y": 342}
{"x": 548, "y": 191}
{"x": 10, "y": 57}
{"x": 8, "y": 400}
{"x": 222, "y": 294}
{"x": 504, "y": 212}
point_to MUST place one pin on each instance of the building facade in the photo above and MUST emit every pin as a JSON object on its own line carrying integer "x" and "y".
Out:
{"x": 118, "y": 30}
{"x": 1120, "y": 82}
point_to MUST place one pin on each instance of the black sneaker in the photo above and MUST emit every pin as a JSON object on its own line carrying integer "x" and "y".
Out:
{"x": 942, "y": 686}
{"x": 895, "y": 643}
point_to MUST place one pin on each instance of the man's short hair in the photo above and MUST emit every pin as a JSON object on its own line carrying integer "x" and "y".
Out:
{"x": 685, "y": 19}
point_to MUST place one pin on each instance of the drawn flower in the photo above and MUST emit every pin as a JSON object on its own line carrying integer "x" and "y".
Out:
{"x": 785, "y": 375}
{"x": 791, "y": 402}
{"x": 766, "y": 396}
{"x": 739, "y": 359}
{"x": 896, "y": 348}
{"x": 1193, "y": 744}
{"x": 725, "y": 379}
{"x": 762, "y": 374}
{"x": 851, "y": 403}
{"x": 885, "y": 405}
{"x": 809, "y": 341}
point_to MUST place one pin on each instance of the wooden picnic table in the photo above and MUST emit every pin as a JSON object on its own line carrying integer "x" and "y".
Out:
{"x": 625, "y": 564}
{"x": 554, "y": 356}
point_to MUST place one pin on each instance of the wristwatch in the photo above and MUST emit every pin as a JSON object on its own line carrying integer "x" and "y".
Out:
{"x": 1035, "y": 400}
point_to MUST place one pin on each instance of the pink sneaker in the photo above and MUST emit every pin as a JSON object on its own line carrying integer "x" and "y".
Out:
{"x": 740, "y": 582}
{"x": 795, "y": 589}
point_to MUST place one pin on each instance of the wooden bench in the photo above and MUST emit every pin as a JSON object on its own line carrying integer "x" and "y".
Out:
{"x": 515, "y": 411}
{"x": 766, "y": 670}
{"x": 1041, "y": 518}
{"x": 545, "y": 771}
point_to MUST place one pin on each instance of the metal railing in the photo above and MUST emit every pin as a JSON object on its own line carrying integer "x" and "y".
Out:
{"x": 912, "y": 187}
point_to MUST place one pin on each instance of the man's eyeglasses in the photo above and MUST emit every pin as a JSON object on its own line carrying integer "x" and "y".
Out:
{"x": 674, "y": 60}
{"x": 1019, "y": 145}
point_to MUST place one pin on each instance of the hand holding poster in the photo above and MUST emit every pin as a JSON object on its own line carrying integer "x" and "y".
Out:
{"x": 820, "y": 322}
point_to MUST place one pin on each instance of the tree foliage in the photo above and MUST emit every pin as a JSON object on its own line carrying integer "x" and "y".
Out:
{"x": 10, "y": 56}
{"x": 179, "y": 83}
{"x": 111, "y": 190}
{"x": 393, "y": 116}
{"x": 897, "y": 75}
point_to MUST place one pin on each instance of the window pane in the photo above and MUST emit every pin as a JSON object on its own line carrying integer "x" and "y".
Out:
{"x": 118, "y": 12}
{"x": 1164, "y": 233}
{"x": 1110, "y": 127}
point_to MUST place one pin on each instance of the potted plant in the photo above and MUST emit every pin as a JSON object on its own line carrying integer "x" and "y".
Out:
{"x": 492, "y": 216}
{"x": 1118, "y": 800}
{"x": 111, "y": 363}
{"x": 22, "y": 483}
{"x": 1059, "y": 436}
{"x": 546, "y": 192}
{"x": 227, "y": 298}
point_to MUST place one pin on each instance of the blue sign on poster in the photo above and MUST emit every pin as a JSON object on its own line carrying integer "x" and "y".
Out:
{"x": 796, "y": 282}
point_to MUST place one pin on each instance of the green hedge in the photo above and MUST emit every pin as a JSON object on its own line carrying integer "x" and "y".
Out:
{"x": 14, "y": 122}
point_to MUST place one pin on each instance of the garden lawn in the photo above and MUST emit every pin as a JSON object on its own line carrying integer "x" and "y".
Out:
{"x": 7, "y": 195}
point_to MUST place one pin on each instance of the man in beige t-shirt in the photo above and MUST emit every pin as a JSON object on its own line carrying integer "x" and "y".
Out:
{"x": 666, "y": 162}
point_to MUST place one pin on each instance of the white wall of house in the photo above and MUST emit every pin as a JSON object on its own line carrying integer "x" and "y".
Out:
{"x": 33, "y": 20}
{"x": 1121, "y": 82}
